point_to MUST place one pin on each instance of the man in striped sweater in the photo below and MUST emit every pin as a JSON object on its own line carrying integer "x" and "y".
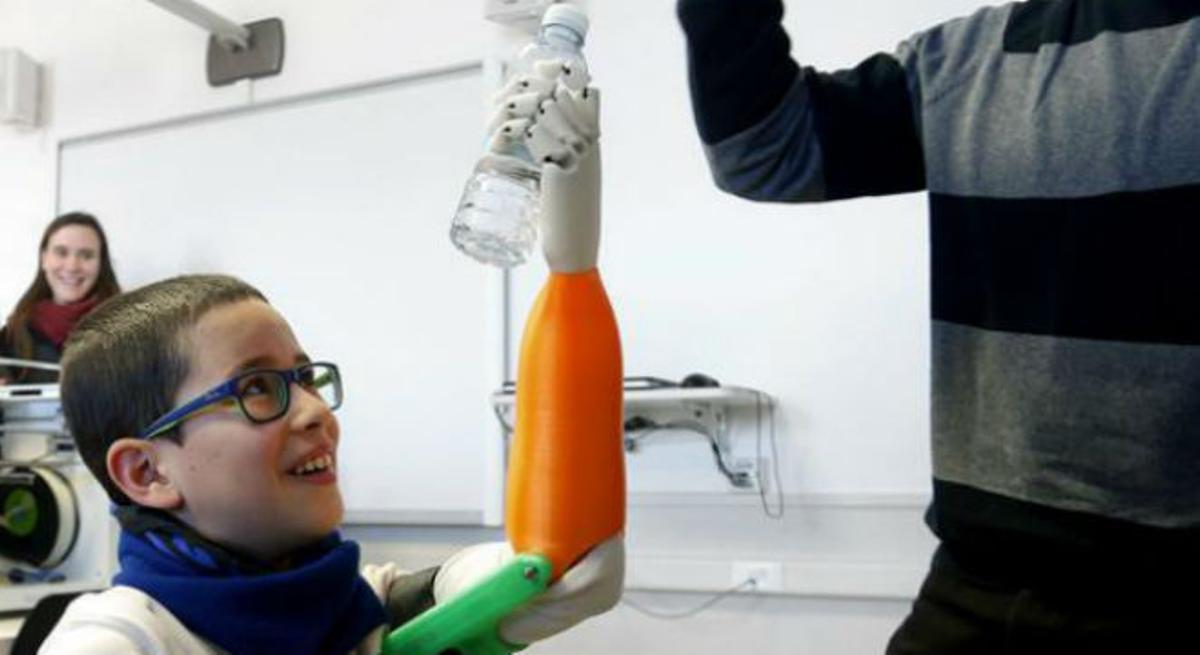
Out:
{"x": 1058, "y": 141}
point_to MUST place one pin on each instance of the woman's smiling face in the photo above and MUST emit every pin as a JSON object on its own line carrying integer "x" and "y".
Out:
{"x": 71, "y": 263}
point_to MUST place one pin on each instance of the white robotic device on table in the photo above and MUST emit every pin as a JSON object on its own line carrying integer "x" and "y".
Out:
{"x": 39, "y": 511}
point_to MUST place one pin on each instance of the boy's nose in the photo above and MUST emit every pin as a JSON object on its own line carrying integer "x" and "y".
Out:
{"x": 308, "y": 411}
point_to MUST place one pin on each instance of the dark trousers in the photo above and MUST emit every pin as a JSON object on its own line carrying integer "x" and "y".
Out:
{"x": 967, "y": 608}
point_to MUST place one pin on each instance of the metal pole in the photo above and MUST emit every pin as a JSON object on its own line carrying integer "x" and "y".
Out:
{"x": 229, "y": 34}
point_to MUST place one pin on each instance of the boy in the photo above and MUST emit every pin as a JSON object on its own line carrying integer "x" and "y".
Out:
{"x": 194, "y": 405}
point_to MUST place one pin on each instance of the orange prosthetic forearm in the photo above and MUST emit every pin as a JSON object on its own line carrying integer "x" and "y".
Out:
{"x": 566, "y": 476}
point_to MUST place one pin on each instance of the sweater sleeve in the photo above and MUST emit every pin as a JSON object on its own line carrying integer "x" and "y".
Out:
{"x": 410, "y": 595}
{"x": 775, "y": 131}
{"x": 404, "y": 594}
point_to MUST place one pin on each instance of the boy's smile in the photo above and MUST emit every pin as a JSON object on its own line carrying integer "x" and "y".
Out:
{"x": 262, "y": 489}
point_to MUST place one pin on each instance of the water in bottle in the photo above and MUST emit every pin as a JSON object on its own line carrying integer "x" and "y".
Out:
{"x": 496, "y": 219}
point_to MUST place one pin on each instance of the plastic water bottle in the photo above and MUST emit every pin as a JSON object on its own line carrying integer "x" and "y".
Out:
{"x": 496, "y": 219}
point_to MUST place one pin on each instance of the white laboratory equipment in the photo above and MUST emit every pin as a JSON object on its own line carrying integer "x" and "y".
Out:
{"x": 56, "y": 535}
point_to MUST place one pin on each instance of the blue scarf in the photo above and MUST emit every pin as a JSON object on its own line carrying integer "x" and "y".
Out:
{"x": 318, "y": 606}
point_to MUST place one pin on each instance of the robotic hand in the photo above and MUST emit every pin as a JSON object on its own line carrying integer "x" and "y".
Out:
{"x": 590, "y": 587}
{"x": 561, "y": 128}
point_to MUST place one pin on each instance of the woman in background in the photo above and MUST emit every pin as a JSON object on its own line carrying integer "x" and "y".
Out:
{"x": 74, "y": 275}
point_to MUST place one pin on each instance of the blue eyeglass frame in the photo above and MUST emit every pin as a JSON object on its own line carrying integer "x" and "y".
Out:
{"x": 228, "y": 389}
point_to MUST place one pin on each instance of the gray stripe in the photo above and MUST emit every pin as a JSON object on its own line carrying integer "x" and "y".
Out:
{"x": 778, "y": 159}
{"x": 1110, "y": 428}
{"x": 1115, "y": 113}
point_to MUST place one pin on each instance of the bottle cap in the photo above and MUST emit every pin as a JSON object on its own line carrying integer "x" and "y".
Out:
{"x": 569, "y": 16}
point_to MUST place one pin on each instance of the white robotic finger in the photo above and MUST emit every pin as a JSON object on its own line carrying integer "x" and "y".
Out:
{"x": 547, "y": 147}
{"x": 508, "y": 133}
{"x": 521, "y": 105}
{"x": 527, "y": 83}
{"x": 574, "y": 77}
{"x": 550, "y": 117}
{"x": 581, "y": 109}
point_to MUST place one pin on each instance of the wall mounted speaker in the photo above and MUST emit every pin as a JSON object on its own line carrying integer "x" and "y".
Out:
{"x": 19, "y": 85}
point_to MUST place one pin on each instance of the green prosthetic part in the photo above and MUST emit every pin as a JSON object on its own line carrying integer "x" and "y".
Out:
{"x": 469, "y": 624}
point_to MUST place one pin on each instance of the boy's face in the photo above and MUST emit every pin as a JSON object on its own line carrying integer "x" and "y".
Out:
{"x": 237, "y": 478}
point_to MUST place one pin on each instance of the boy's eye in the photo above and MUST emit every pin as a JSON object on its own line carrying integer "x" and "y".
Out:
{"x": 255, "y": 385}
{"x": 262, "y": 396}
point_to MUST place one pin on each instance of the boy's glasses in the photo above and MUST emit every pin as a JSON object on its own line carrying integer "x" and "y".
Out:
{"x": 262, "y": 395}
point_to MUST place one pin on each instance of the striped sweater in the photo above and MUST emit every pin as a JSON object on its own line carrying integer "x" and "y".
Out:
{"x": 1059, "y": 144}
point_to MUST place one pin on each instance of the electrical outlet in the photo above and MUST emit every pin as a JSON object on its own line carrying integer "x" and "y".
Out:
{"x": 767, "y": 576}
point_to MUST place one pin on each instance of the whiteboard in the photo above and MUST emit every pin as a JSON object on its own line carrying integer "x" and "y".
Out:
{"x": 337, "y": 207}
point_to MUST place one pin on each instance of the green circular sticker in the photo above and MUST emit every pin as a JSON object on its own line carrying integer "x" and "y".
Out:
{"x": 20, "y": 512}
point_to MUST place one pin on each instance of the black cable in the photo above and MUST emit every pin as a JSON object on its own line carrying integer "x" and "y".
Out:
{"x": 500, "y": 417}
{"x": 762, "y": 487}
{"x": 649, "y": 427}
{"x": 660, "y": 614}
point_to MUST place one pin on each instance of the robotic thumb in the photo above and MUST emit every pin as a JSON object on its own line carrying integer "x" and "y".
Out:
{"x": 570, "y": 221}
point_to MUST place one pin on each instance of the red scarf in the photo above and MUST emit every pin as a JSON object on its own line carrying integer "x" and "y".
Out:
{"x": 55, "y": 321}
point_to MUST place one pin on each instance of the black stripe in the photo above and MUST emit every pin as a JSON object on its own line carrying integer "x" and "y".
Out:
{"x": 1120, "y": 267}
{"x": 1031, "y": 542}
{"x": 739, "y": 66}
{"x": 1039, "y": 22}
{"x": 869, "y": 141}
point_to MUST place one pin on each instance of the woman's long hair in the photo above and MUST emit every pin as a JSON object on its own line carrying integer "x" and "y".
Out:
{"x": 20, "y": 340}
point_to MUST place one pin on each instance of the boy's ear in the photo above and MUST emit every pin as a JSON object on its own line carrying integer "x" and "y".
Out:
{"x": 133, "y": 465}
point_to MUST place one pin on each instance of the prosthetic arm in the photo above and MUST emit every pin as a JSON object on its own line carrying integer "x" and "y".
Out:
{"x": 565, "y": 503}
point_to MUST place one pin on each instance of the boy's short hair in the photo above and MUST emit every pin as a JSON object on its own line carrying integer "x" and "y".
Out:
{"x": 125, "y": 361}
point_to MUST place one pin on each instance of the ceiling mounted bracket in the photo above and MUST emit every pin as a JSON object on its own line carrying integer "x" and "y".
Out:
{"x": 235, "y": 52}
{"x": 261, "y": 57}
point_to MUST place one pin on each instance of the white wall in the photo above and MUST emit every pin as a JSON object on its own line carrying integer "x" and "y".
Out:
{"x": 852, "y": 542}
